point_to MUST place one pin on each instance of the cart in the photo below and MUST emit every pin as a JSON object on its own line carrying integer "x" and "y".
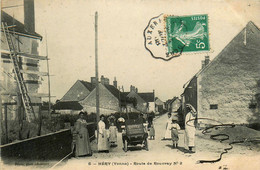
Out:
{"x": 134, "y": 134}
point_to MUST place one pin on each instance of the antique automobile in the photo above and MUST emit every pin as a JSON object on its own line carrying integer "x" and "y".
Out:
{"x": 134, "y": 134}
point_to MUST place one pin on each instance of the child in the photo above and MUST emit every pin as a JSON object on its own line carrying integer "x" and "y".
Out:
{"x": 113, "y": 134}
{"x": 151, "y": 130}
{"x": 174, "y": 131}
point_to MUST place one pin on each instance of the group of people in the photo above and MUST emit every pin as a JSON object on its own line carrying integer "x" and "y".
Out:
{"x": 172, "y": 128}
{"x": 82, "y": 141}
{"x": 105, "y": 137}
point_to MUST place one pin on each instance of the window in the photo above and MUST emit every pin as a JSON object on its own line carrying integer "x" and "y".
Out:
{"x": 213, "y": 106}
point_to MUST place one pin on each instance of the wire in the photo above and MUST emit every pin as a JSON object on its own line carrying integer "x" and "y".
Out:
{"x": 224, "y": 138}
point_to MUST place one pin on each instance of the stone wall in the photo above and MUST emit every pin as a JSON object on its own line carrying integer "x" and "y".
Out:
{"x": 53, "y": 146}
{"x": 229, "y": 84}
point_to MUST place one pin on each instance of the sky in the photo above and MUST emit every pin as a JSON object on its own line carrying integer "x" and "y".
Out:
{"x": 69, "y": 28}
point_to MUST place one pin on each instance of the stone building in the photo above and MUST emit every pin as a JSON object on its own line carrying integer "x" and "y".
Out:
{"x": 226, "y": 89}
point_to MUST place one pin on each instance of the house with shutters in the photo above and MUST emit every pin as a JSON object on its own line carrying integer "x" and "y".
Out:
{"x": 227, "y": 88}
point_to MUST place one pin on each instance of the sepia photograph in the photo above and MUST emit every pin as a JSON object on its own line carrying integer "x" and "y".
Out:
{"x": 141, "y": 84}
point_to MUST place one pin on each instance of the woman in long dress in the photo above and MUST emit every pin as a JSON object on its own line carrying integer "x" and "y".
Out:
{"x": 103, "y": 140}
{"x": 190, "y": 127}
{"x": 167, "y": 135}
{"x": 82, "y": 137}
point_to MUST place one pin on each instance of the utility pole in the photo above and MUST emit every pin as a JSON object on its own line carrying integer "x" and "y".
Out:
{"x": 49, "y": 83}
{"x": 96, "y": 63}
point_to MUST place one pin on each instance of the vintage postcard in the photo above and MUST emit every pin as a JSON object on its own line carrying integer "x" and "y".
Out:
{"x": 143, "y": 84}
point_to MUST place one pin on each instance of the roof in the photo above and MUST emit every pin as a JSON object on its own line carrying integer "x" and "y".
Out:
{"x": 148, "y": 97}
{"x": 113, "y": 90}
{"x": 19, "y": 27}
{"x": 173, "y": 99}
{"x": 158, "y": 101}
{"x": 250, "y": 27}
{"x": 124, "y": 94}
{"x": 88, "y": 85}
{"x": 67, "y": 105}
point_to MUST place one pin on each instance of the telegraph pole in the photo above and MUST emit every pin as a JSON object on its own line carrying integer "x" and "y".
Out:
{"x": 96, "y": 63}
{"x": 49, "y": 83}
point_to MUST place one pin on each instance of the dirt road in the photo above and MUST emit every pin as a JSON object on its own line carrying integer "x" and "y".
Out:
{"x": 162, "y": 156}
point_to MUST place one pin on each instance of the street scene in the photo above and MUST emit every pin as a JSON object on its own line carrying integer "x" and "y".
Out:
{"x": 130, "y": 85}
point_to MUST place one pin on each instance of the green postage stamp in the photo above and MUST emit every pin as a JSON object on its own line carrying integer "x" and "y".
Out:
{"x": 167, "y": 36}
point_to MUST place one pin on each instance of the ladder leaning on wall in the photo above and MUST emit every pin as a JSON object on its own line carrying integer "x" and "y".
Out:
{"x": 30, "y": 115}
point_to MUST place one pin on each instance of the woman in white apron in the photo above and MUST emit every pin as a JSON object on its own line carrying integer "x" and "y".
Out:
{"x": 190, "y": 129}
{"x": 167, "y": 135}
{"x": 103, "y": 140}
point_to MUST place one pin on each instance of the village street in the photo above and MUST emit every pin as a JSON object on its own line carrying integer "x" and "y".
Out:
{"x": 162, "y": 156}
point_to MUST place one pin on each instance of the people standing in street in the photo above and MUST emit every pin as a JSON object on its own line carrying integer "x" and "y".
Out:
{"x": 103, "y": 140}
{"x": 113, "y": 134}
{"x": 151, "y": 130}
{"x": 167, "y": 135}
{"x": 175, "y": 131}
{"x": 121, "y": 122}
{"x": 141, "y": 116}
{"x": 190, "y": 127}
{"x": 82, "y": 137}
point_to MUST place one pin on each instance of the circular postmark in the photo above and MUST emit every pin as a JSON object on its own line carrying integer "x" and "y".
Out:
{"x": 168, "y": 36}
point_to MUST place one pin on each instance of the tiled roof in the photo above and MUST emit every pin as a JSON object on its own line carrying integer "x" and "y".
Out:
{"x": 148, "y": 97}
{"x": 113, "y": 90}
{"x": 124, "y": 94}
{"x": 19, "y": 27}
{"x": 67, "y": 105}
{"x": 88, "y": 85}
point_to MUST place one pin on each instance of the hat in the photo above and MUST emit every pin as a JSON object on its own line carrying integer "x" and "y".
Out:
{"x": 81, "y": 113}
{"x": 121, "y": 119}
{"x": 191, "y": 107}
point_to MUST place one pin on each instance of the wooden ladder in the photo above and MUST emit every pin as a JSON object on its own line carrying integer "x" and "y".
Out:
{"x": 30, "y": 115}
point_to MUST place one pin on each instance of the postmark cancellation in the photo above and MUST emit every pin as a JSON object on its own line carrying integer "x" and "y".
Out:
{"x": 168, "y": 36}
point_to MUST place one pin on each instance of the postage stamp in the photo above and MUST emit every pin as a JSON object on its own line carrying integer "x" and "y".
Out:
{"x": 168, "y": 36}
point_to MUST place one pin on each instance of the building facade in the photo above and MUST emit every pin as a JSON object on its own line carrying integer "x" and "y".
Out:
{"x": 26, "y": 42}
{"x": 226, "y": 89}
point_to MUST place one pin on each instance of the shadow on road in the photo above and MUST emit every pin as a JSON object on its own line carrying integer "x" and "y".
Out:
{"x": 182, "y": 149}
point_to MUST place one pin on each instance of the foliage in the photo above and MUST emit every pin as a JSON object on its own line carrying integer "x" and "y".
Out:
{"x": 45, "y": 105}
{"x": 129, "y": 100}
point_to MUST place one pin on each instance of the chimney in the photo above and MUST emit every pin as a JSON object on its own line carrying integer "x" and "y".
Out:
{"x": 136, "y": 90}
{"x": 115, "y": 83}
{"x": 207, "y": 60}
{"x": 202, "y": 64}
{"x": 93, "y": 81}
{"x": 132, "y": 88}
{"x": 106, "y": 81}
{"x": 29, "y": 18}
{"x": 102, "y": 80}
